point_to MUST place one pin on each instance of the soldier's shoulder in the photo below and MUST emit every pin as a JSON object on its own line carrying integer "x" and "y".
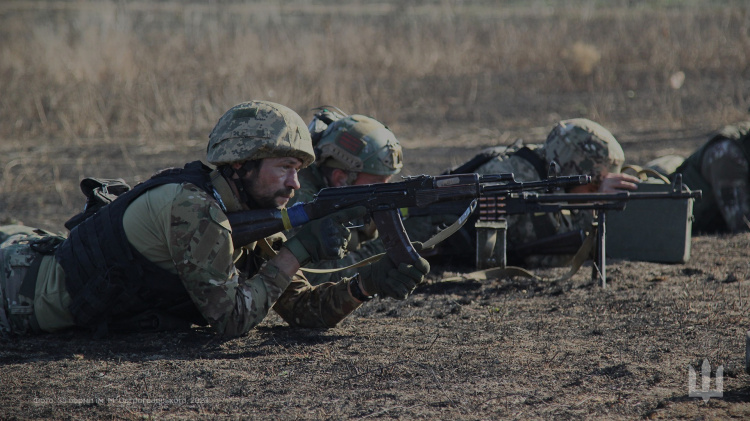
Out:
{"x": 190, "y": 202}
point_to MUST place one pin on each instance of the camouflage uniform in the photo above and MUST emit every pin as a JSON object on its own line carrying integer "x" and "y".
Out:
{"x": 354, "y": 144}
{"x": 18, "y": 294}
{"x": 579, "y": 146}
{"x": 720, "y": 169}
{"x": 183, "y": 229}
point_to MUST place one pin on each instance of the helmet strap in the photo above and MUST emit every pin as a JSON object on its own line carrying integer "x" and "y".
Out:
{"x": 239, "y": 182}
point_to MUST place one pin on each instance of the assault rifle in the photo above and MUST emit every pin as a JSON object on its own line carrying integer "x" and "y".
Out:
{"x": 383, "y": 202}
{"x": 498, "y": 207}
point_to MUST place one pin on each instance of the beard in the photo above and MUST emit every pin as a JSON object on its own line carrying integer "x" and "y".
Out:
{"x": 267, "y": 200}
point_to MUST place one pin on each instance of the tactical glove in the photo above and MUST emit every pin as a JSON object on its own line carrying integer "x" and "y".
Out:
{"x": 387, "y": 280}
{"x": 324, "y": 238}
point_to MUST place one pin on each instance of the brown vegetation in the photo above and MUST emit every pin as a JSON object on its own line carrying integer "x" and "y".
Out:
{"x": 121, "y": 89}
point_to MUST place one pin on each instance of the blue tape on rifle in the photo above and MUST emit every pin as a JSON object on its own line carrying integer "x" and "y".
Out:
{"x": 297, "y": 215}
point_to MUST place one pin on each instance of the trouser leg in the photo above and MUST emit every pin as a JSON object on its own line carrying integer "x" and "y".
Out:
{"x": 17, "y": 310}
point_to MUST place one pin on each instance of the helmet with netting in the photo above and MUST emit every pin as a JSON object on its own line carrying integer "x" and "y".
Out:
{"x": 259, "y": 129}
{"x": 358, "y": 143}
{"x": 581, "y": 146}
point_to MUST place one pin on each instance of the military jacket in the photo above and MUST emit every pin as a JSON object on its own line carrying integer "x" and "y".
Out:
{"x": 184, "y": 230}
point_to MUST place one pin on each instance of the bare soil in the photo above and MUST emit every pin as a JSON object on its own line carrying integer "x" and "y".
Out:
{"x": 503, "y": 348}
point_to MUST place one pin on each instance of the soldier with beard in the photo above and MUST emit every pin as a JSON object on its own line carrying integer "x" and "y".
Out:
{"x": 161, "y": 255}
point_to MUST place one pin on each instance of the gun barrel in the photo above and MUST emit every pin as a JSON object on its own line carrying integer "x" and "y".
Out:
{"x": 692, "y": 194}
{"x": 608, "y": 197}
{"x": 564, "y": 181}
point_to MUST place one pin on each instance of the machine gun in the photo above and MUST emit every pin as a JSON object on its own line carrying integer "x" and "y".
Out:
{"x": 383, "y": 202}
{"x": 497, "y": 207}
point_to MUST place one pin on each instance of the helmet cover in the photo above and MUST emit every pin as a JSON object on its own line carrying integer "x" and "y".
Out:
{"x": 256, "y": 130}
{"x": 359, "y": 143}
{"x": 581, "y": 146}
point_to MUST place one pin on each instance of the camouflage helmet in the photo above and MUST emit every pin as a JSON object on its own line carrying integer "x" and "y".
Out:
{"x": 359, "y": 143}
{"x": 256, "y": 130}
{"x": 581, "y": 146}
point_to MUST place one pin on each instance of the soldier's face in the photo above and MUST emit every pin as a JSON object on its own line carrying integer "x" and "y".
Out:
{"x": 273, "y": 183}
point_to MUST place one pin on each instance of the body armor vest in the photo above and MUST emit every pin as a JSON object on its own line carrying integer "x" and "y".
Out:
{"x": 108, "y": 279}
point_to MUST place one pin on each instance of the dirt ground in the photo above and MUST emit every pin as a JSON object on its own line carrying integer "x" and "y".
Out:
{"x": 493, "y": 349}
{"x": 502, "y": 348}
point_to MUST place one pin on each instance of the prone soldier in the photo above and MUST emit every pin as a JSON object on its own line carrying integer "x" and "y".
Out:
{"x": 576, "y": 147}
{"x": 161, "y": 255}
{"x": 720, "y": 169}
{"x": 350, "y": 150}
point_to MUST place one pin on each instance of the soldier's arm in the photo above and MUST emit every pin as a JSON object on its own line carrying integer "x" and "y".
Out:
{"x": 319, "y": 306}
{"x": 203, "y": 254}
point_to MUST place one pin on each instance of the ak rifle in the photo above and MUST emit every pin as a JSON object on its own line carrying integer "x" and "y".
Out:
{"x": 383, "y": 202}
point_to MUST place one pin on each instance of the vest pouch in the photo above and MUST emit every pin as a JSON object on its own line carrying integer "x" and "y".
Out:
{"x": 99, "y": 192}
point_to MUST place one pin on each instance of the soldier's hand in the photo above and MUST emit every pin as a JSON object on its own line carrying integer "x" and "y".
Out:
{"x": 363, "y": 233}
{"x": 387, "y": 280}
{"x": 617, "y": 182}
{"x": 325, "y": 238}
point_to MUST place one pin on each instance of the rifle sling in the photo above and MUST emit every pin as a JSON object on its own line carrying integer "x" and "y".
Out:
{"x": 266, "y": 247}
{"x": 583, "y": 253}
{"x": 432, "y": 242}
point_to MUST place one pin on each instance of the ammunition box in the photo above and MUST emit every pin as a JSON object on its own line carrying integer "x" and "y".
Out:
{"x": 651, "y": 230}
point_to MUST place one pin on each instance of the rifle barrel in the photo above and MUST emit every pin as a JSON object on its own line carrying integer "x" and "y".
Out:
{"x": 610, "y": 197}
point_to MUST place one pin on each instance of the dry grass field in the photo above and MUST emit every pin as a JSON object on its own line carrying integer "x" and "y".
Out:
{"x": 124, "y": 88}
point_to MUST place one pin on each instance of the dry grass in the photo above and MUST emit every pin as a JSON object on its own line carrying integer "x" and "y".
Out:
{"x": 98, "y": 69}
{"x": 122, "y": 88}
